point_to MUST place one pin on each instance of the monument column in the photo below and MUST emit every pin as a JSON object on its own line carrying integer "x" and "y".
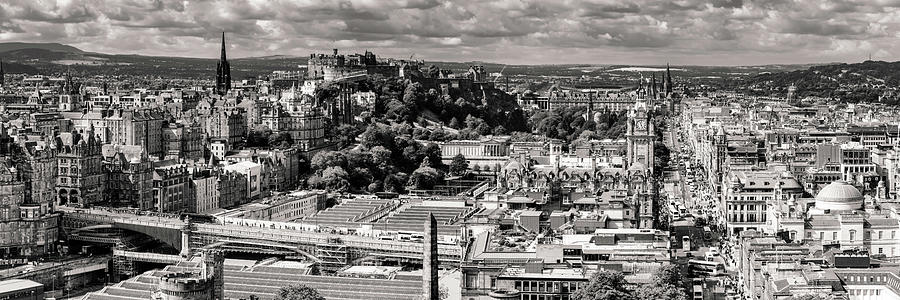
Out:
{"x": 430, "y": 261}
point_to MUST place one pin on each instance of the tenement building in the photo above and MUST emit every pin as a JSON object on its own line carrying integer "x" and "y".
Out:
{"x": 748, "y": 195}
{"x": 129, "y": 177}
{"x": 28, "y": 228}
{"x": 80, "y": 180}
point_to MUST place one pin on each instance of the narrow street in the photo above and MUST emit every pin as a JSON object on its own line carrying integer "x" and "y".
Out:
{"x": 709, "y": 243}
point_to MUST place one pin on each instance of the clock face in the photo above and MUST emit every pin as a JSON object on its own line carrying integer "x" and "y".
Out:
{"x": 641, "y": 124}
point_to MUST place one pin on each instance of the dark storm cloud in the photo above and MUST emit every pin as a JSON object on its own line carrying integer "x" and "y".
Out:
{"x": 728, "y": 3}
{"x": 817, "y": 27}
{"x": 528, "y": 31}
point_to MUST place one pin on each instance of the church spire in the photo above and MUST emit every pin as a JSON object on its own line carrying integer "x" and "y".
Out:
{"x": 2, "y": 82}
{"x": 223, "y": 72}
{"x": 222, "y": 57}
{"x": 68, "y": 87}
{"x": 668, "y": 82}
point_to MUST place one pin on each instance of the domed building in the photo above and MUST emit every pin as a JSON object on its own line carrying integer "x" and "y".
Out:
{"x": 841, "y": 217}
{"x": 839, "y": 196}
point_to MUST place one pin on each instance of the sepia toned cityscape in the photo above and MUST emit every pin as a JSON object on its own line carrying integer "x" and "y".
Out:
{"x": 442, "y": 150}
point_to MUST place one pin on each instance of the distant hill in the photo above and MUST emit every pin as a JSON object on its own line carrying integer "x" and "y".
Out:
{"x": 5, "y": 47}
{"x": 52, "y": 58}
{"x": 854, "y": 82}
{"x": 36, "y": 54}
{"x": 865, "y": 73}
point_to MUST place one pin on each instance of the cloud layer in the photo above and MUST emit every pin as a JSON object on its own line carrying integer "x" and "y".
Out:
{"x": 718, "y": 32}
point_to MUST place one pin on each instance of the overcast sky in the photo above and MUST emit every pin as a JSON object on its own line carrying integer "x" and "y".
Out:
{"x": 718, "y": 32}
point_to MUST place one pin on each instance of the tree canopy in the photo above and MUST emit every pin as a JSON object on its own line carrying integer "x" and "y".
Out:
{"x": 667, "y": 283}
{"x": 385, "y": 156}
{"x": 459, "y": 165}
{"x": 604, "y": 285}
{"x": 298, "y": 292}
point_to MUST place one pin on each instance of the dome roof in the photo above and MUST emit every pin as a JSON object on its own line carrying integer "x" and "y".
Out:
{"x": 839, "y": 195}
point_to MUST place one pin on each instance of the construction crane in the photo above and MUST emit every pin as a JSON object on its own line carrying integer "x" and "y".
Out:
{"x": 499, "y": 74}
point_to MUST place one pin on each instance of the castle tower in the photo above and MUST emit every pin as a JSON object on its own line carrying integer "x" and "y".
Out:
{"x": 223, "y": 72}
{"x": 183, "y": 286}
{"x": 430, "y": 260}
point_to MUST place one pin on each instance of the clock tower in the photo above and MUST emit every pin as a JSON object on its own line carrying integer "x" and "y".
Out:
{"x": 639, "y": 137}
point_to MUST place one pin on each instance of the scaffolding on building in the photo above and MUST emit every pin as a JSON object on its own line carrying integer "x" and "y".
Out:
{"x": 333, "y": 255}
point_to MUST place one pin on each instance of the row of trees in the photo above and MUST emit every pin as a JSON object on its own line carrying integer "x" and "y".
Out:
{"x": 573, "y": 123}
{"x": 667, "y": 283}
{"x": 263, "y": 137}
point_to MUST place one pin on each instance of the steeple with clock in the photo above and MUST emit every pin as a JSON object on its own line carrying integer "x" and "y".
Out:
{"x": 639, "y": 137}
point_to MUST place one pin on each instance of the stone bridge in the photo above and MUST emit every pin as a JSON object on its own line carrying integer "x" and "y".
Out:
{"x": 167, "y": 230}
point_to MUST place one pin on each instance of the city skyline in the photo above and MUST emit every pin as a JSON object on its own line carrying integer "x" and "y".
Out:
{"x": 584, "y": 32}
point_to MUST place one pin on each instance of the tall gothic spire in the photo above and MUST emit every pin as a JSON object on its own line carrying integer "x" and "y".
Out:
{"x": 223, "y": 72}
{"x": 68, "y": 85}
{"x": 222, "y": 57}
{"x": 1, "y": 73}
{"x": 668, "y": 82}
{"x": 653, "y": 91}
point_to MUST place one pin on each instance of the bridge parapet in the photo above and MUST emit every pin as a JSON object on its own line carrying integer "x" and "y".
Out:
{"x": 107, "y": 217}
{"x": 315, "y": 238}
{"x": 169, "y": 230}
{"x": 148, "y": 257}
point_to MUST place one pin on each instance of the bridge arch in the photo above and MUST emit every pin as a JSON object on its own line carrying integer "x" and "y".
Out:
{"x": 169, "y": 236}
{"x": 294, "y": 249}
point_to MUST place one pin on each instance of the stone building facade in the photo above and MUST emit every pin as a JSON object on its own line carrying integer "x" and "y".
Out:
{"x": 129, "y": 174}
{"x": 171, "y": 188}
{"x": 27, "y": 227}
{"x": 80, "y": 176}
